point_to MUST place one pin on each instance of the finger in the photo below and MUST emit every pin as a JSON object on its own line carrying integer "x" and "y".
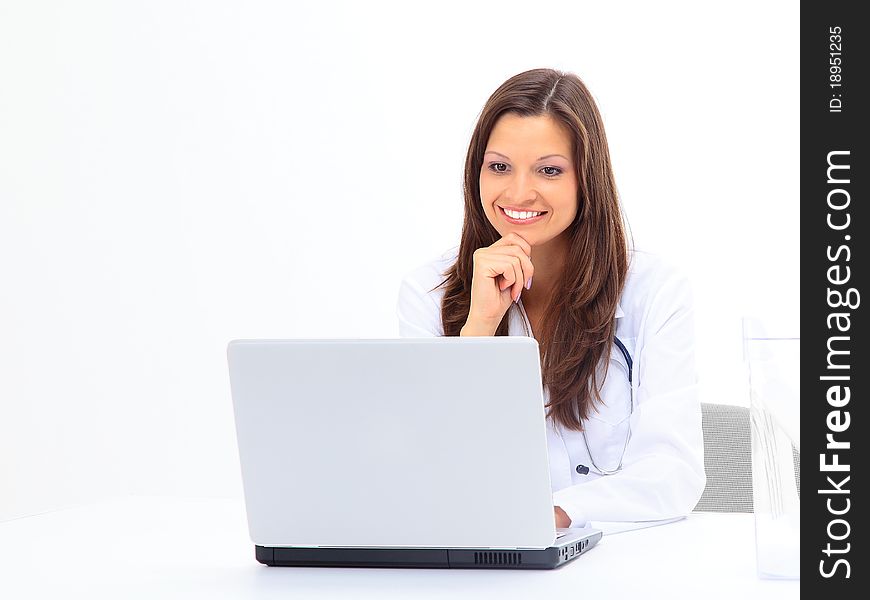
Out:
{"x": 502, "y": 267}
{"x": 511, "y": 270}
{"x": 521, "y": 242}
{"x": 496, "y": 266}
{"x": 514, "y": 239}
{"x": 508, "y": 266}
{"x": 517, "y": 265}
{"x": 527, "y": 270}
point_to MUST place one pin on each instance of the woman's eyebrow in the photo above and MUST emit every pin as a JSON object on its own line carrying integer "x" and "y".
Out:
{"x": 507, "y": 157}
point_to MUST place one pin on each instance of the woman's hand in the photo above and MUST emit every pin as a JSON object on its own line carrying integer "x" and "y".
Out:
{"x": 562, "y": 518}
{"x": 500, "y": 273}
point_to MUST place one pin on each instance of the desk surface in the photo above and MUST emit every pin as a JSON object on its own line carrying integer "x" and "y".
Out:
{"x": 189, "y": 548}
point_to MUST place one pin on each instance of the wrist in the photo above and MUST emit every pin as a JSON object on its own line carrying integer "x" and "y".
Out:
{"x": 478, "y": 327}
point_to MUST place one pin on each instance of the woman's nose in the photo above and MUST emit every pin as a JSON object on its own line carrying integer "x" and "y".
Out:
{"x": 521, "y": 188}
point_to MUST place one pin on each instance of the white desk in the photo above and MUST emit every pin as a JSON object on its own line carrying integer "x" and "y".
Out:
{"x": 191, "y": 548}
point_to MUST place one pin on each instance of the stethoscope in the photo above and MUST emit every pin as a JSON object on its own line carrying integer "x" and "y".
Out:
{"x": 582, "y": 469}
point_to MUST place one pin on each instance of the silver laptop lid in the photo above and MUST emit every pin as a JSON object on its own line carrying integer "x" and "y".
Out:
{"x": 434, "y": 442}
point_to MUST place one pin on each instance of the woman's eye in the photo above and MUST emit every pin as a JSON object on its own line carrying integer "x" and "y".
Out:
{"x": 495, "y": 167}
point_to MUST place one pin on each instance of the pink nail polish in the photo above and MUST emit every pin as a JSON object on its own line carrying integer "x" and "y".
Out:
{"x": 529, "y": 284}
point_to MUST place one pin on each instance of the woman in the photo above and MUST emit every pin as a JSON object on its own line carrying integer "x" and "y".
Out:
{"x": 543, "y": 253}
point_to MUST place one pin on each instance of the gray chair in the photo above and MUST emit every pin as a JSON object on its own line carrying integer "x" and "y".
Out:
{"x": 728, "y": 459}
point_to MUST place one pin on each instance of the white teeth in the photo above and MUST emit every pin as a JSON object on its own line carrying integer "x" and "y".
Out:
{"x": 521, "y": 215}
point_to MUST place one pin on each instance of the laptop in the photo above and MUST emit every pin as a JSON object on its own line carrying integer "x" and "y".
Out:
{"x": 405, "y": 452}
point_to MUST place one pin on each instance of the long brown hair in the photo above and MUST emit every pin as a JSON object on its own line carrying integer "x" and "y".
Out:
{"x": 578, "y": 324}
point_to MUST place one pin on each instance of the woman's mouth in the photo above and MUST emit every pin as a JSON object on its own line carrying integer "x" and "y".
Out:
{"x": 521, "y": 217}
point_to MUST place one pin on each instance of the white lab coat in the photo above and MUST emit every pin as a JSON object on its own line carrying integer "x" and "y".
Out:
{"x": 662, "y": 475}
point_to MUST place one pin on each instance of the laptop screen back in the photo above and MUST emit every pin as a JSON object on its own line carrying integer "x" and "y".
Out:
{"x": 432, "y": 442}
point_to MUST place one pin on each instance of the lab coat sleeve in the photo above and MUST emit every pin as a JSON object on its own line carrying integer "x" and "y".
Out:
{"x": 418, "y": 311}
{"x": 662, "y": 475}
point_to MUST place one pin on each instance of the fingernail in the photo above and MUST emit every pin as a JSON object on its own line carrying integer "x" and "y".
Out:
{"x": 518, "y": 297}
{"x": 529, "y": 284}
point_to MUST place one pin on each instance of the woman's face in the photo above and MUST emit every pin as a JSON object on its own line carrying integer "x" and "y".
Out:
{"x": 527, "y": 166}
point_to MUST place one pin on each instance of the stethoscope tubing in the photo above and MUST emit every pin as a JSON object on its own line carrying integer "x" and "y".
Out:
{"x": 630, "y": 364}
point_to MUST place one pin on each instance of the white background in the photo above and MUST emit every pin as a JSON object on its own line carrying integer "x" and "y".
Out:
{"x": 175, "y": 175}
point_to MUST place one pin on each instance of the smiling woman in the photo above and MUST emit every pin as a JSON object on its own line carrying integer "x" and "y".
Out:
{"x": 614, "y": 324}
{"x": 506, "y": 183}
{"x": 539, "y": 147}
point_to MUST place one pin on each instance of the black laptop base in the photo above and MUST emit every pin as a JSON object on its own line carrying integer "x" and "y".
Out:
{"x": 436, "y": 558}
